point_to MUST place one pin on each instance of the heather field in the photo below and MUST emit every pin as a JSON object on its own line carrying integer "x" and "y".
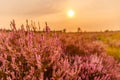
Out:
{"x": 45, "y": 55}
{"x": 59, "y": 39}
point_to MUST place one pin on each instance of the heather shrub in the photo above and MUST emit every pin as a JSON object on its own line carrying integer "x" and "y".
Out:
{"x": 84, "y": 48}
{"x": 81, "y": 46}
{"x": 26, "y": 55}
{"x": 95, "y": 47}
{"x": 84, "y": 68}
{"x": 72, "y": 50}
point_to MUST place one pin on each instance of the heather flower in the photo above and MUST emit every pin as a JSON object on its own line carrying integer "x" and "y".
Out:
{"x": 26, "y": 55}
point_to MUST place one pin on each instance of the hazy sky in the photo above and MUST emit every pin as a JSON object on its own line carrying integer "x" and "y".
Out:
{"x": 90, "y": 15}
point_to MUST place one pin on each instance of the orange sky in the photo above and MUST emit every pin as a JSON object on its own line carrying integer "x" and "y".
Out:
{"x": 90, "y": 15}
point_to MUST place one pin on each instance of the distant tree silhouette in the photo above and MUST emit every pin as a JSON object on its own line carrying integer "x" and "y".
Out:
{"x": 79, "y": 29}
{"x": 64, "y": 30}
{"x": 107, "y": 30}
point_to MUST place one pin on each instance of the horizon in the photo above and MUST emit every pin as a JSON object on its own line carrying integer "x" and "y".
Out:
{"x": 92, "y": 15}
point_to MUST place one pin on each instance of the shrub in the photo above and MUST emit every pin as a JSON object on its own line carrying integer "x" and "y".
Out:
{"x": 26, "y": 55}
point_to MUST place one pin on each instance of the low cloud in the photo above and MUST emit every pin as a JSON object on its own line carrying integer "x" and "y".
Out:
{"x": 33, "y": 7}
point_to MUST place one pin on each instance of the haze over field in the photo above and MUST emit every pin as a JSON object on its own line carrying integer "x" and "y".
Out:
{"x": 90, "y": 15}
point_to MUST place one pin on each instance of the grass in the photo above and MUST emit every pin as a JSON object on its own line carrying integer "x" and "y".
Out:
{"x": 109, "y": 39}
{"x": 114, "y": 51}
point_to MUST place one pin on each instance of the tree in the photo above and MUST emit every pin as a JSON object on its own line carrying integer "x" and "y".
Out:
{"x": 79, "y": 29}
{"x": 64, "y": 30}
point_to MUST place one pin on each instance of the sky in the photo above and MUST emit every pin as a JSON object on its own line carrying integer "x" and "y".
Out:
{"x": 90, "y": 15}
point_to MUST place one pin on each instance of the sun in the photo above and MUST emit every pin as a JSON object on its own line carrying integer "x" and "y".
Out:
{"x": 71, "y": 13}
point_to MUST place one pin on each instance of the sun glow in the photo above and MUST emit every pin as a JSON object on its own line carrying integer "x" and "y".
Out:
{"x": 71, "y": 13}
